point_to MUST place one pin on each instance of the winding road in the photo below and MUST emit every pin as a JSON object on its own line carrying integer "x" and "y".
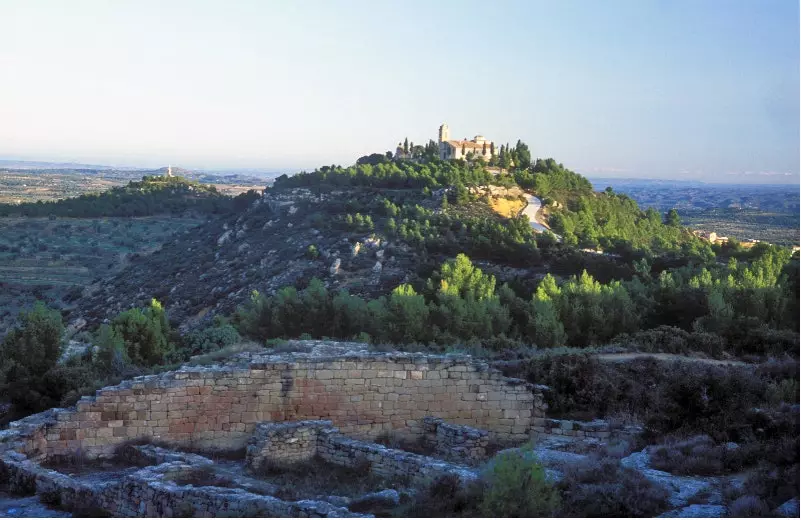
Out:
{"x": 531, "y": 210}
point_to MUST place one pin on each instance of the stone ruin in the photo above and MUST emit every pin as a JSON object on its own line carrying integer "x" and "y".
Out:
{"x": 326, "y": 404}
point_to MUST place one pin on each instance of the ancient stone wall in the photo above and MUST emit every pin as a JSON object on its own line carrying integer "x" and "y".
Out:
{"x": 455, "y": 442}
{"x": 363, "y": 394}
{"x": 278, "y": 444}
{"x": 399, "y": 465}
{"x": 566, "y": 429}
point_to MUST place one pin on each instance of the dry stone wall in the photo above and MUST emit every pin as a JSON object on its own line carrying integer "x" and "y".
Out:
{"x": 362, "y": 393}
{"x": 566, "y": 429}
{"x": 455, "y": 442}
{"x": 275, "y": 445}
{"x": 278, "y": 444}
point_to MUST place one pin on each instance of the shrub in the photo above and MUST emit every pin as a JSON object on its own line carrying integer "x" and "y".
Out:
{"x": 603, "y": 488}
{"x": 748, "y": 506}
{"x": 211, "y": 339}
{"x": 446, "y": 496}
{"x": 516, "y": 486}
{"x": 35, "y": 345}
{"x": 698, "y": 455}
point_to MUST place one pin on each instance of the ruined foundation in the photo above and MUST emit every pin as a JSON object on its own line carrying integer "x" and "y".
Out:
{"x": 283, "y": 409}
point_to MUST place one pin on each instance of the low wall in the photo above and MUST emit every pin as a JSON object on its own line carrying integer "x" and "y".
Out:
{"x": 455, "y": 442}
{"x": 151, "y": 492}
{"x": 274, "y": 444}
{"x": 362, "y": 393}
{"x": 279, "y": 444}
{"x": 566, "y": 429}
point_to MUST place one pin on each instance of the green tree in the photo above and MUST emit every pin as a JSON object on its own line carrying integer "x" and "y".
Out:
{"x": 145, "y": 332}
{"x": 523, "y": 155}
{"x": 35, "y": 345}
{"x": 111, "y": 357}
{"x": 407, "y": 315}
{"x": 672, "y": 218}
{"x": 461, "y": 278}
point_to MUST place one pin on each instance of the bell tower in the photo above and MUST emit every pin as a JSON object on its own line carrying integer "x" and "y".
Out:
{"x": 444, "y": 133}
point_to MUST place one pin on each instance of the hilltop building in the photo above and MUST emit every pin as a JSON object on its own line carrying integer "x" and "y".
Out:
{"x": 458, "y": 149}
{"x": 711, "y": 237}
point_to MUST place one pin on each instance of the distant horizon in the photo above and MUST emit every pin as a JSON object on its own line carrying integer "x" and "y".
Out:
{"x": 65, "y": 164}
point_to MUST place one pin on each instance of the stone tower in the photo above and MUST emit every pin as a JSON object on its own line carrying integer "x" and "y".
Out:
{"x": 444, "y": 133}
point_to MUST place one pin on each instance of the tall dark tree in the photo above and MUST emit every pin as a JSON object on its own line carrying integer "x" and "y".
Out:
{"x": 672, "y": 218}
{"x": 406, "y": 145}
{"x": 492, "y": 148}
{"x": 522, "y": 155}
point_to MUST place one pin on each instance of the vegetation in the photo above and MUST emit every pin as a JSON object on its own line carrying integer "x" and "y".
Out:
{"x": 602, "y": 488}
{"x": 460, "y": 303}
{"x": 516, "y": 486}
{"x": 153, "y": 195}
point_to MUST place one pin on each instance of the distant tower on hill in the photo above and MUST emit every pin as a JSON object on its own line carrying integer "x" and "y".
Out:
{"x": 169, "y": 171}
{"x": 444, "y": 133}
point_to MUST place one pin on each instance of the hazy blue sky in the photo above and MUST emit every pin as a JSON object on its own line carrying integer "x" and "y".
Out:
{"x": 695, "y": 89}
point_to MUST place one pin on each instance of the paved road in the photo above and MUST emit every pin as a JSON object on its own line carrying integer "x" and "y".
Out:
{"x": 531, "y": 210}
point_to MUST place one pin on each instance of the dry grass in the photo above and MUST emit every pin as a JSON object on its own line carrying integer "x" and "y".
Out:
{"x": 506, "y": 207}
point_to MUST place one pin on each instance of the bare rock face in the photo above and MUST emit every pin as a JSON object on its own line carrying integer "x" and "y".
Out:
{"x": 789, "y": 509}
{"x": 75, "y": 348}
{"x": 373, "y": 242}
{"x": 74, "y": 327}
{"x": 681, "y": 488}
{"x": 335, "y": 267}
{"x": 225, "y": 237}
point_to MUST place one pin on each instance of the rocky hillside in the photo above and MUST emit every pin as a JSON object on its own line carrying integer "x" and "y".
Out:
{"x": 215, "y": 267}
{"x": 287, "y": 237}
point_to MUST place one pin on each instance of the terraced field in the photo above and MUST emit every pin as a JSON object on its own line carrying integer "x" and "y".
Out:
{"x": 53, "y": 259}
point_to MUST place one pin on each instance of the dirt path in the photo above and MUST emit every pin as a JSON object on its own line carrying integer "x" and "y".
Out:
{"x": 628, "y": 356}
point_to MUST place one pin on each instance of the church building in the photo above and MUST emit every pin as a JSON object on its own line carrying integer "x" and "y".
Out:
{"x": 458, "y": 149}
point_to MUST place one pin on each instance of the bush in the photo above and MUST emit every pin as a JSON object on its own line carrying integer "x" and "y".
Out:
{"x": 673, "y": 340}
{"x": 748, "y": 506}
{"x": 516, "y": 486}
{"x": 695, "y": 456}
{"x": 211, "y": 339}
{"x": 603, "y": 488}
{"x": 446, "y": 496}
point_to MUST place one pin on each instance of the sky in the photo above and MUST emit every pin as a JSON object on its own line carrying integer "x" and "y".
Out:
{"x": 678, "y": 89}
